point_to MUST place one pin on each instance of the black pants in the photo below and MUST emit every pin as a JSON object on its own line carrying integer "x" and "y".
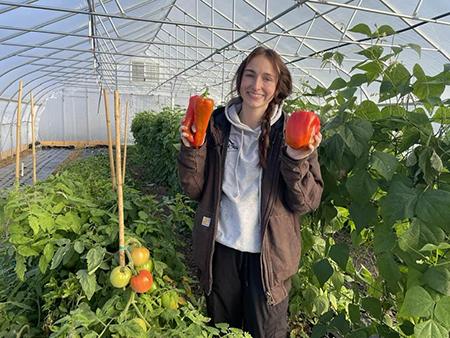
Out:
{"x": 237, "y": 295}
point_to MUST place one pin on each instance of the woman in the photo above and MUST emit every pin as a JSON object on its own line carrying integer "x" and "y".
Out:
{"x": 251, "y": 188}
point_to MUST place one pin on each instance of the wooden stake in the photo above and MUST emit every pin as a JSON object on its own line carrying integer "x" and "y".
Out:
{"x": 33, "y": 138}
{"x": 18, "y": 134}
{"x": 125, "y": 141}
{"x": 119, "y": 180}
{"x": 110, "y": 149}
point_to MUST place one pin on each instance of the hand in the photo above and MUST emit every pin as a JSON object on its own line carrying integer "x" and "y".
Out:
{"x": 184, "y": 134}
{"x": 298, "y": 154}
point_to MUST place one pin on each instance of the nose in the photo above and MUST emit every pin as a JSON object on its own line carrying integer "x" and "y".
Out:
{"x": 257, "y": 83}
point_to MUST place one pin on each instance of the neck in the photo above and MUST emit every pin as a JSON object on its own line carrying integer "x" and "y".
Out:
{"x": 251, "y": 117}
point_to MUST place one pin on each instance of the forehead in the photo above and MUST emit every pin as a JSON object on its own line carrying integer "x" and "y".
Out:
{"x": 260, "y": 64}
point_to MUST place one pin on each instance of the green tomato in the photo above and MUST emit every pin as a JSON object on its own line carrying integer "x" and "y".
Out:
{"x": 146, "y": 266}
{"x": 153, "y": 288}
{"x": 141, "y": 323}
{"x": 169, "y": 300}
{"x": 120, "y": 276}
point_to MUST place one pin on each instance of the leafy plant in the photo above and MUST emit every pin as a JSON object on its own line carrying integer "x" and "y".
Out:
{"x": 385, "y": 163}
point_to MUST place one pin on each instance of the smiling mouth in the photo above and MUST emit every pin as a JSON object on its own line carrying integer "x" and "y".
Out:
{"x": 255, "y": 95}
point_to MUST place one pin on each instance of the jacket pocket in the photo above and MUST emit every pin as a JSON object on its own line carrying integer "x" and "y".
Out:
{"x": 284, "y": 239}
{"x": 202, "y": 241}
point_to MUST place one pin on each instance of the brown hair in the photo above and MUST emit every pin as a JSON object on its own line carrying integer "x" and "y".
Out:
{"x": 283, "y": 90}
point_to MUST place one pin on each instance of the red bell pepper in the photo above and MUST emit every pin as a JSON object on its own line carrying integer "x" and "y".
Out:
{"x": 189, "y": 118}
{"x": 301, "y": 127}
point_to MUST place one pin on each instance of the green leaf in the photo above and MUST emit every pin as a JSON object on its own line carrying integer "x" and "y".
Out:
{"x": 420, "y": 234}
{"x": 432, "y": 247}
{"x": 372, "y": 306}
{"x": 442, "y": 115}
{"x": 442, "y": 311}
{"x": 407, "y": 327}
{"x": 26, "y": 251}
{"x": 78, "y": 246}
{"x": 43, "y": 264}
{"x": 357, "y": 80}
{"x": 363, "y": 214}
{"x": 362, "y": 29}
{"x": 393, "y": 110}
{"x": 368, "y": 110}
{"x": 432, "y": 208}
{"x": 33, "y": 222}
{"x": 339, "y": 322}
{"x": 418, "y": 72}
{"x": 354, "y": 313}
{"x": 389, "y": 269}
{"x": 361, "y": 186}
{"x": 321, "y": 304}
{"x": 430, "y": 329}
{"x": 95, "y": 258}
{"x": 373, "y": 69}
{"x": 48, "y": 252}
{"x": 356, "y": 135}
{"x": 323, "y": 271}
{"x": 417, "y": 48}
{"x": 384, "y": 238}
{"x": 372, "y": 53}
{"x": 20, "y": 267}
{"x": 337, "y": 83}
{"x": 384, "y": 164}
{"x": 417, "y": 303}
{"x": 88, "y": 283}
{"x": 340, "y": 254}
{"x": 438, "y": 278}
{"x": 426, "y": 88}
{"x": 59, "y": 255}
{"x": 383, "y": 31}
{"x": 430, "y": 163}
{"x": 400, "y": 202}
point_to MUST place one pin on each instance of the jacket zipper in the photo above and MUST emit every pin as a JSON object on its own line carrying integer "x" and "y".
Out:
{"x": 216, "y": 216}
{"x": 264, "y": 264}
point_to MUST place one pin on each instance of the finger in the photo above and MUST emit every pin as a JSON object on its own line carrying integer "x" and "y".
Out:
{"x": 185, "y": 141}
{"x": 194, "y": 128}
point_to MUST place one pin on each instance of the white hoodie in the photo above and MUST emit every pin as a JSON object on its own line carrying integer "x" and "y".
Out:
{"x": 239, "y": 224}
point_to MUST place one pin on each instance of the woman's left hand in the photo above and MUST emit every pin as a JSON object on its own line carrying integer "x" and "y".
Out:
{"x": 298, "y": 154}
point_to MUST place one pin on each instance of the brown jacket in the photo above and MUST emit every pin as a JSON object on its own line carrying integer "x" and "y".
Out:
{"x": 289, "y": 188}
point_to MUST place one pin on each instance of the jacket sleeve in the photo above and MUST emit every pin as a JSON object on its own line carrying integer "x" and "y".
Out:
{"x": 304, "y": 184}
{"x": 191, "y": 170}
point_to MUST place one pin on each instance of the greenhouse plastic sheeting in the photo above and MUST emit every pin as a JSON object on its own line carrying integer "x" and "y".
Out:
{"x": 164, "y": 50}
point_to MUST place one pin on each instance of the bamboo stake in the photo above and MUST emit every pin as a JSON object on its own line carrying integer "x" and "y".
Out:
{"x": 125, "y": 141}
{"x": 18, "y": 127}
{"x": 110, "y": 149}
{"x": 33, "y": 138}
{"x": 119, "y": 180}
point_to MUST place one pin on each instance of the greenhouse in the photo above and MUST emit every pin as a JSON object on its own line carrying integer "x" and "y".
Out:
{"x": 108, "y": 184}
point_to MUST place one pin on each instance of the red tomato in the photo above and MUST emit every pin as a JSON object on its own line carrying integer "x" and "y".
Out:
{"x": 301, "y": 126}
{"x": 140, "y": 255}
{"x": 142, "y": 282}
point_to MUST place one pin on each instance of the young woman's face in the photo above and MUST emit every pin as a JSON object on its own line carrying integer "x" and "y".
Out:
{"x": 258, "y": 84}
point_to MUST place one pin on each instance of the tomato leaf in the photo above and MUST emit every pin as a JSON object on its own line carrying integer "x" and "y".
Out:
{"x": 88, "y": 283}
{"x": 95, "y": 258}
